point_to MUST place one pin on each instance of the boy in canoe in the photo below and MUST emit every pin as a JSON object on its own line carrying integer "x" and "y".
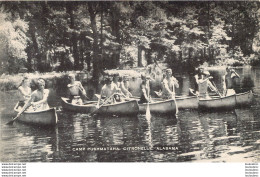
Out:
{"x": 168, "y": 85}
{"x": 38, "y": 100}
{"x": 203, "y": 85}
{"x": 145, "y": 89}
{"x": 116, "y": 80}
{"x": 24, "y": 92}
{"x": 76, "y": 91}
{"x": 108, "y": 92}
{"x": 123, "y": 85}
{"x": 196, "y": 77}
{"x": 228, "y": 81}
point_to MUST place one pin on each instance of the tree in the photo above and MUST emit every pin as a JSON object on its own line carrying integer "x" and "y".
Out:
{"x": 13, "y": 43}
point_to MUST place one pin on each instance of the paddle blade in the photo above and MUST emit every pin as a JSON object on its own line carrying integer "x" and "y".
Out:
{"x": 11, "y": 122}
{"x": 148, "y": 113}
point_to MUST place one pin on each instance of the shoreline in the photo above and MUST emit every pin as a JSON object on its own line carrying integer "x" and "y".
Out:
{"x": 56, "y": 79}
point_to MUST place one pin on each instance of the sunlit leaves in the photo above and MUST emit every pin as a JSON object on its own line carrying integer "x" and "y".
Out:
{"x": 13, "y": 37}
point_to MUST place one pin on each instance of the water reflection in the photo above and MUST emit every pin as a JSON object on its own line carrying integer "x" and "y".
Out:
{"x": 28, "y": 143}
{"x": 232, "y": 136}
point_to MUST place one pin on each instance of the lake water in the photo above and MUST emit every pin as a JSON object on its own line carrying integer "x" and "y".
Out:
{"x": 232, "y": 136}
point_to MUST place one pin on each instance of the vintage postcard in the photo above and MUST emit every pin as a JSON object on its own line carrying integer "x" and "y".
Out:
{"x": 130, "y": 81}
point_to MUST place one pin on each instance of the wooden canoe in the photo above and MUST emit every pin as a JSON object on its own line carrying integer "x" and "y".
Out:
{"x": 223, "y": 103}
{"x": 120, "y": 108}
{"x": 190, "y": 102}
{"x": 44, "y": 118}
{"x": 244, "y": 99}
{"x": 77, "y": 108}
{"x": 161, "y": 107}
{"x": 229, "y": 102}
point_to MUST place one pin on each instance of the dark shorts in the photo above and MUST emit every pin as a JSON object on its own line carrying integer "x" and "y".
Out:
{"x": 142, "y": 100}
{"x": 21, "y": 104}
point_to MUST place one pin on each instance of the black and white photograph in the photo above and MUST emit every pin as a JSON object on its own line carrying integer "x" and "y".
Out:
{"x": 130, "y": 81}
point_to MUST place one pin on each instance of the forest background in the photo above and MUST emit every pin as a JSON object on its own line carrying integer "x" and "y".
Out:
{"x": 92, "y": 37}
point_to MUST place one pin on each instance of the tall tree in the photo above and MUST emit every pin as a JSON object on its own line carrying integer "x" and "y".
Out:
{"x": 70, "y": 10}
{"x": 93, "y": 10}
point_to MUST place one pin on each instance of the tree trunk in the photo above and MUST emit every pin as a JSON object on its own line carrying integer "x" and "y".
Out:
{"x": 96, "y": 60}
{"x": 82, "y": 46}
{"x": 45, "y": 25}
{"x": 115, "y": 32}
{"x": 29, "y": 59}
{"x": 101, "y": 22}
{"x": 69, "y": 9}
{"x": 35, "y": 44}
{"x": 139, "y": 57}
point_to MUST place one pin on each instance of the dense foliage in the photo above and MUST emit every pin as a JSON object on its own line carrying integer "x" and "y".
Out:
{"x": 92, "y": 36}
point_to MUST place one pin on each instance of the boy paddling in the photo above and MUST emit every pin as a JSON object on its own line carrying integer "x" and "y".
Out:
{"x": 38, "y": 100}
{"x": 168, "y": 85}
{"x": 228, "y": 81}
{"x": 76, "y": 91}
{"x": 203, "y": 85}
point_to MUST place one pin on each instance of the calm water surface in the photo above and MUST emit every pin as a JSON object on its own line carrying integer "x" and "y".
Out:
{"x": 232, "y": 136}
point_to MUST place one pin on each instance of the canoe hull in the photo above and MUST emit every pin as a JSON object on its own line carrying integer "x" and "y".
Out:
{"x": 122, "y": 108}
{"x": 225, "y": 103}
{"x": 45, "y": 118}
{"x": 161, "y": 107}
{"x": 187, "y": 102}
{"x": 244, "y": 99}
{"x": 77, "y": 108}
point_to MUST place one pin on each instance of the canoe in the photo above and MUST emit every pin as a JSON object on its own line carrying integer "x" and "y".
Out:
{"x": 244, "y": 99}
{"x": 223, "y": 103}
{"x": 120, "y": 108}
{"x": 190, "y": 102}
{"x": 46, "y": 117}
{"x": 77, "y": 108}
{"x": 161, "y": 107}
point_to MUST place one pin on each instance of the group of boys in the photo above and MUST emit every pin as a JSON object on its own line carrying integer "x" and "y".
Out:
{"x": 115, "y": 88}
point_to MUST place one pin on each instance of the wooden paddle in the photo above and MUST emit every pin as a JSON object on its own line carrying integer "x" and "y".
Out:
{"x": 105, "y": 102}
{"x": 217, "y": 89}
{"x": 192, "y": 92}
{"x": 148, "y": 113}
{"x": 17, "y": 116}
{"x": 89, "y": 102}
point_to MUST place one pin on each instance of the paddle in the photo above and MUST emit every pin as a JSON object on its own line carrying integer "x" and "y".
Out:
{"x": 217, "y": 89}
{"x": 192, "y": 92}
{"x": 148, "y": 113}
{"x": 160, "y": 95}
{"x": 89, "y": 102}
{"x": 105, "y": 102}
{"x": 81, "y": 89}
{"x": 17, "y": 116}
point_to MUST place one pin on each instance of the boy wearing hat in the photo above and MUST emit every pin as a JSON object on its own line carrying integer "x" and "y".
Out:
{"x": 228, "y": 81}
{"x": 203, "y": 85}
